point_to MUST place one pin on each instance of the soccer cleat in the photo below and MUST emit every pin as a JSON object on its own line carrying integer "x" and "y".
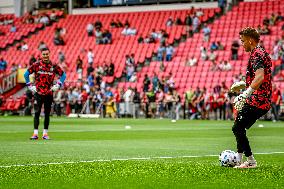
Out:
{"x": 247, "y": 164}
{"x": 34, "y": 137}
{"x": 45, "y": 137}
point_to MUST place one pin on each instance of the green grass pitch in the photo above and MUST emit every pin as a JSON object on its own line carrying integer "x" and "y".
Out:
{"x": 101, "y": 153}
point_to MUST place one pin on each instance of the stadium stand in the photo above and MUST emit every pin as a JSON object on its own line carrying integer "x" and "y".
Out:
{"x": 225, "y": 30}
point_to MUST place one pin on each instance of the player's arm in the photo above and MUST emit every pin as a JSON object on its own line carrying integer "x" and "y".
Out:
{"x": 27, "y": 74}
{"x": 59, "y": 83}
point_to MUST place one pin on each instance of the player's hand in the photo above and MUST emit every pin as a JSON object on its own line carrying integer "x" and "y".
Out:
{"x": 55, "y": 87}
{"x": 239, "y": 102}
{"x": 32, "y": 88}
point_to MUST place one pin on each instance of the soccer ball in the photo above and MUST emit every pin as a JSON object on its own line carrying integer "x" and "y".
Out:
{"x": 228, "y": 158}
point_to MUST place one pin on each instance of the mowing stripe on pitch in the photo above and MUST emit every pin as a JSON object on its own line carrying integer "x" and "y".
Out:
{"x": 122, "y": 159}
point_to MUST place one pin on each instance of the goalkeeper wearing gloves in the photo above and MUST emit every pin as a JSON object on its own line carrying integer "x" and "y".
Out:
{"x": 43, "y": 88}
{"x": 255, "y": 101}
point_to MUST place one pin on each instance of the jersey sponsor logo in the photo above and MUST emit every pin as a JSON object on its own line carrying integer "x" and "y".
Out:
{"x": 43, "y": 72}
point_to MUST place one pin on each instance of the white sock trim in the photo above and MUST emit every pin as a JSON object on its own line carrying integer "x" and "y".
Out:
{"x": 45, "y": 131}
{"x": 35, "y": 131}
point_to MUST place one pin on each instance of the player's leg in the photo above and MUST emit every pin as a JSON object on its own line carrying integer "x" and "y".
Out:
{"x": 38, "y": 101}
{"x": 48, "y": 99}
{"x": 245, "y": 119}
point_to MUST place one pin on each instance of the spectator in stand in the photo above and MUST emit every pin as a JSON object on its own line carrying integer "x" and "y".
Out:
{"x": 128, "y": 31}
{"x": 149, "y": 39}
{"x": 222, "y": 5}
{"x": 276, "y": 102}
{"x": 171, "y": 82}
{"x": 14, "y": 67}
{"x": 23, "y": 46}
{"x": 170, "y": 22}
{"x": 276, "y": 51}
{"x": 98, "y": 25}
{"x": 58, "y": 39}
{"x": 203, "y": 51}
{"x": 155, "y": 82}
{"x": 265, "y": 31}
{"x": 113, "y": 24}
{"x": 13, "y": 28}
{"x": 90, "y": 29}
{"x": 3, "y": 65}
{"x": 42, "y": 45}
{"x": 61, "y": 56}
{"x": 214, "y": 66}
{"x": 214, "y": 46}
{"x": 53, "y": 16}
{"x": 169, "y": 52}
{"x": 225, "y": 66}
{"x": 91, "y": 80}
{"x": 234, "y": 49}
{"x": 99, "y": 36}
{"x": 206, "y": 33}
{"x": 140, "y": 39}
{"x": 129, "y": 71}
{"x": 199, "y": 12}
{"x": 272, "y": 19}
{"x": 221, "y": 105}
{"x": 220, "y": 45}
{"x": 117, "y": 97}
{"x": 107, "y": 37}
{"x": 136, "y": 101}
{"x": 212, "y": 56}
{"x": 161, "y": 52}
{"x": 188, "y": 20}
{"x": 44, "y": 19}
{"x": 32, "y": 60}
{"x": 133, "y": 78}
{"x": 90, "y": 56}
{"x": 266, "y": 21}
{"x": 111, "y": 69}
{"x": 79, "y": 67}
{"x": 191, "y": 62}
{"x": 196, "y": 23}
{"x": 178, "y": 21}
{"x": 154, "y": 34}
{"x": 132, "y": 59}
{"x": 146, "y": 83}
{"x": 279, "y": 17}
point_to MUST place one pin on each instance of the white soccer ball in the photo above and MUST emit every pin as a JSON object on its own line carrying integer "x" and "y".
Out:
{"x": 228, "y": 158}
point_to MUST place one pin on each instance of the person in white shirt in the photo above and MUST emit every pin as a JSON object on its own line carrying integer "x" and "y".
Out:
{"x": 212, "y": 56}
{"x": 128, "y": 31}
{"x": 127, "y": 96}
{"x": 204, "y": 55}
{"x": 169, "y": 52}
{"x": 206, "y": 33}
{"x": 90, "y": 57}
{"x": 225, "y": 66}
{"x": 90, "y": 29}
{"x": 191, "y": 62}
{"x": 24, "y": 47}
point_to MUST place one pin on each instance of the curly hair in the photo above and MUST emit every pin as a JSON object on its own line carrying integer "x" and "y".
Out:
{"x": 250, "y": 32}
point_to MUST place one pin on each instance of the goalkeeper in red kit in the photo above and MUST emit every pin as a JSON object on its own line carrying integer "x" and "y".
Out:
{"x": 255, "y": 101}
{"x": 42, "y": 88}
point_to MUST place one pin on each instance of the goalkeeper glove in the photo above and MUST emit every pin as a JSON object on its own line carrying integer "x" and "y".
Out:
{"x": 240, "y": 100}
{"x": 31, "y": 87}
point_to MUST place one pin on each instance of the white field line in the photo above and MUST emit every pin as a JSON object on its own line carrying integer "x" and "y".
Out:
{"x": 122, "y": 159}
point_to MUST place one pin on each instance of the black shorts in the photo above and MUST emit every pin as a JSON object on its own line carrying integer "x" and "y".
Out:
{"x": 248, "y": 116}
{"x": 40, "y": 100}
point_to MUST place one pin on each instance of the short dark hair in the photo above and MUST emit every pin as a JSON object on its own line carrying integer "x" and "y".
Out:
{"x": 44, "y": 49}
{"x": 250, "y": 32}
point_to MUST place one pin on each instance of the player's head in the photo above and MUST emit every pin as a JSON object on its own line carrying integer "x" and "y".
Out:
{"x": 250, "y": 38}
{"x": 45, "y": 54}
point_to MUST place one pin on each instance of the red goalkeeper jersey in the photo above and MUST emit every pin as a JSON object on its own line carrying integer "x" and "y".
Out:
{"x": 261, "y": 98}
{"x": 44, "y": 76}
